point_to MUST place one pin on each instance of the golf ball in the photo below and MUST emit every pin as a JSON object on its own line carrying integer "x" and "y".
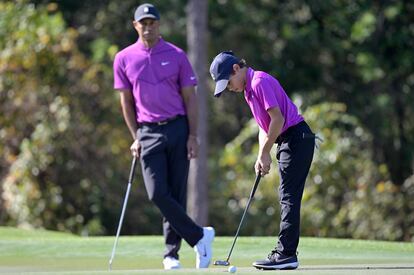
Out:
{"x": 232, "y": 269}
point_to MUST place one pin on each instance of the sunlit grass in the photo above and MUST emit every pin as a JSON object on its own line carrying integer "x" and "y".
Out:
{"x": 46, "y": 252}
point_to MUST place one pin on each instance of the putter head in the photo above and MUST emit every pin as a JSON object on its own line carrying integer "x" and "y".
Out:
{"x": 223, "y": 263}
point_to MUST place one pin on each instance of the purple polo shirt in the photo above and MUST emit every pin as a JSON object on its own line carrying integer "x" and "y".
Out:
{"x": 155, "y": 76}
{"x": 263, "y": 92}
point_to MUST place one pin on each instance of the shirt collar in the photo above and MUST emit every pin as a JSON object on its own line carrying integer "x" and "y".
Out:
{"x": 155, "y": 48}
{"x": 249, "y": 76}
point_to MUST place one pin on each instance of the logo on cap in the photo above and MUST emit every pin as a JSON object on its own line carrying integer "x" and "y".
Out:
{"x": 146, "y": 11}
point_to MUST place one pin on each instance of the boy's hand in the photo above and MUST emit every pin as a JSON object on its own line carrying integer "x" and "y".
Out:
{"x": 262, "y": 164}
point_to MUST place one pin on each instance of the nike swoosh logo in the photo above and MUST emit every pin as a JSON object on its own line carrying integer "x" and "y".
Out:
{"x": 165, "y": 63}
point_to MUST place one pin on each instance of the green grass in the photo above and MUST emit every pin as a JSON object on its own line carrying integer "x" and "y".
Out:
{"x": 43, "y": 252}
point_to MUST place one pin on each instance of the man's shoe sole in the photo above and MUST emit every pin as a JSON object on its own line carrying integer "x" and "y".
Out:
{"x": 173, "y": 268}
{"x": 287, "y": 266}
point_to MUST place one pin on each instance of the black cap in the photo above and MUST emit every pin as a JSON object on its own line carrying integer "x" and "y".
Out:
{"x": 221, "y": 69}
{"x": 146, "y": 11}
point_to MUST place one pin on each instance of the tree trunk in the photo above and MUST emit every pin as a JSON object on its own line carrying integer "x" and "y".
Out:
{"x": 197, "y": 52}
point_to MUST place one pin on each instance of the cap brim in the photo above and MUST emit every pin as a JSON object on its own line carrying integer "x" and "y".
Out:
{"x": 221, "y": 85}
{"x": 145, "y": 16}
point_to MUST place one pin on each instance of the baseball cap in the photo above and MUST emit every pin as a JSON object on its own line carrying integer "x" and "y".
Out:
{"x": 146, "y": 11}
{"x": 221, "y": 69}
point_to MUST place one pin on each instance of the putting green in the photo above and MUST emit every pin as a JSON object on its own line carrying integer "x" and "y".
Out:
{"x": 43, "y": 252}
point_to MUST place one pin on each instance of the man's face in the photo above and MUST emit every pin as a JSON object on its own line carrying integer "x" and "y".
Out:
{"x": 236, "y": 80}
{"x": 148, "y": 29}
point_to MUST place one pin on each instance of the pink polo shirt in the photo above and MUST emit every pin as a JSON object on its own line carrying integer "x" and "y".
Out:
{"x": 263, "y": 92}
{"x": 155, "y": 76}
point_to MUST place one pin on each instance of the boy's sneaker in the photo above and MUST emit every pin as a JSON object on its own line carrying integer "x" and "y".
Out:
{"x": 275, "y": 260}
{"x": 171, "y": 263}
{"x": 203, "y": 248}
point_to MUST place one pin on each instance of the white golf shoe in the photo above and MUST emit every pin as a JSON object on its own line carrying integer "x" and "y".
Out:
{"x": 203, "y": 248}
{"x": 171, "y": 263}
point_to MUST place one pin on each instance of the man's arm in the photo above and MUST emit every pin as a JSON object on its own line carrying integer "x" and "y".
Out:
{"x": 128, "y": 111}
{"x": 190, "y": 102}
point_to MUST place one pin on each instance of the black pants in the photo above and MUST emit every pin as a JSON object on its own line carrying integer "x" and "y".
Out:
{"x": 165, "y": 169}
{"x": 294, "y": 155}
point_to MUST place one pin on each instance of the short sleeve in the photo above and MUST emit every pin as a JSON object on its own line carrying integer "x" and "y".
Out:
{"x": 187, "y": 76}
{"x": 121, "y": 80}
{"x": 266, "y": 91}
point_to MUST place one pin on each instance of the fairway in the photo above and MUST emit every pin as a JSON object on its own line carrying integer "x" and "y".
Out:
{"x": 42, "y": 252}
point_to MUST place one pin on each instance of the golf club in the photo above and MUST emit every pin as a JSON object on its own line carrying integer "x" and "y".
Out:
{"x": 226, "y": 262}
{"x": 131, "y": 177}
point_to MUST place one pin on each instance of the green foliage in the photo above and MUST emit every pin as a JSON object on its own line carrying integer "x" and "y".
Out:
{"x": 35, "y": 111}
{"x": 58, "y": 139}
{"x": 232, "y": 184}
{"x": 64, "y": 151}
{"x": 346, "y": 195}
{"x": 364, "y": 27}
{"x": 342, "y": 176}
{"x": 353, "y": 52}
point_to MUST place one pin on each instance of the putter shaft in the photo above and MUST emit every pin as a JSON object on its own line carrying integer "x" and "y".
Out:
{"x": 256, "y": 183}
{"x": 121, "y": 219}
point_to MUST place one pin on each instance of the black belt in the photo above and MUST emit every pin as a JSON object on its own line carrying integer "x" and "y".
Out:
{"x": 162, "y": 122}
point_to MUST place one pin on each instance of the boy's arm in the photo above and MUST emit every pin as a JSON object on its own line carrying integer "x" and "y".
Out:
{"x": 266, "y": 141}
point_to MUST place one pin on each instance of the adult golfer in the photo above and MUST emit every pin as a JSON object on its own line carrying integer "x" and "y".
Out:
{"x": 156, "y": 83}
{"x": 279, "y": 122}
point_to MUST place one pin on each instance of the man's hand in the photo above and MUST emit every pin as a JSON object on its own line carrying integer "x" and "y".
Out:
{"x": 192, "y": 147}
{"x": 136, "y": 148}
{"x": 262, "y": 164}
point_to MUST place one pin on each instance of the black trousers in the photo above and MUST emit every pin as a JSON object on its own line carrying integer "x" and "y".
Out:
{"x": 294, "y": 154}
{"x": 165, "y": 170}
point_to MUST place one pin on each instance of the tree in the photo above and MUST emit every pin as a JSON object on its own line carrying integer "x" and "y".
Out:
{"x": 197, "y": 51}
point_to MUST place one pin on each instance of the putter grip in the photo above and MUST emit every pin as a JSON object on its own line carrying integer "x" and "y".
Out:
{"x": 256, "y": 183}
{"x": 132, "y": 171}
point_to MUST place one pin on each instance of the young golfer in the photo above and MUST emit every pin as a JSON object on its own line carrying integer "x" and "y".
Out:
{"x": 279, "y": 122}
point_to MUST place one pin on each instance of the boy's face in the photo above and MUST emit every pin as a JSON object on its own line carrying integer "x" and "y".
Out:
{"x": 237, "y": 79}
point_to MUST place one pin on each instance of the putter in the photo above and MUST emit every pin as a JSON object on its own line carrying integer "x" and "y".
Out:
{"x": 131, "y": 177}
{"x": 226, "y": 262}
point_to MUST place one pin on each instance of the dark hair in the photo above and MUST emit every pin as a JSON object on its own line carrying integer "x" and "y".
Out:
{"x": 242, "y": 63}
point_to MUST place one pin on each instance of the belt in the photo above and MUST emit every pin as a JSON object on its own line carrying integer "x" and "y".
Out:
{"x": 162, "y": 122}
